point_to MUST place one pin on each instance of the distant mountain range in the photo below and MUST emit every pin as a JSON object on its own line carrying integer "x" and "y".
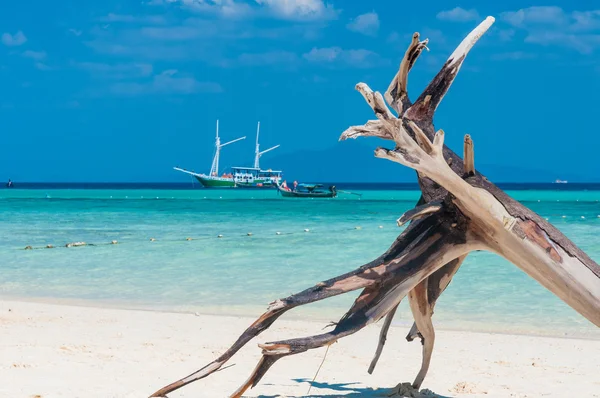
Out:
{"x": 354, "y": 161}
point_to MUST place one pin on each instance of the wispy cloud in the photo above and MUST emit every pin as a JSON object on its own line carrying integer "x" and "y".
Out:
{"x": 336, "y": 56}
{"x": 305, "y": 10}
{"x": 14, "y": 40}
{"x": 296, "y": 10}
{"x": 283, "y": 58}
{"x": 140, "y": 19}
{"x": 167, "y": 82}
{"x": 180, "y": 33}
{"x": 514, "y": 55}
{"x": 586, "y": 20}
{"x": 37, "y": 55}
{"x": 116, "y": 71}
{"x": 223, "y": 8}
{"x": 504, "y": 34}
{"x": 367, "y": 24}
{"x": 75, "y": 32}
{"x": 199, "y": 28}
{"x": 42, "y": 66}
{"x": 206, "y": 39}
{"x": 458, "y": 14}
{"x": 535, "y": 15}
{"x": 583, "y": 43}
{"x": 552, "y": 26}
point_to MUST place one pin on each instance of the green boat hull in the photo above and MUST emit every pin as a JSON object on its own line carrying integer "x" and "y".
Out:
{"x": 220, "y": 182}
{"x": 216, "y": 182}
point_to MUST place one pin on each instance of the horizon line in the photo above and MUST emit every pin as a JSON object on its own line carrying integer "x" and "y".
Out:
{"x": 315, "y": 181}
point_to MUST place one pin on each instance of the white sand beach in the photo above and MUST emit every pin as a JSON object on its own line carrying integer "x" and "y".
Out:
{"x": 53, "y": 350}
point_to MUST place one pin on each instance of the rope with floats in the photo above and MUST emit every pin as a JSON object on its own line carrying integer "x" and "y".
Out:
{"x": 188, "y": 239}
{"x": 351, "y": 193}
{"x": 221, "y": 236}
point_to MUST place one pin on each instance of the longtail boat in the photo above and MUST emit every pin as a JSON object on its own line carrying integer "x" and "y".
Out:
{"x": 307, "y": 191}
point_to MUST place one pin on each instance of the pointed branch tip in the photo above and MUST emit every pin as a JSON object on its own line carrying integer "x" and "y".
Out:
{"x": 397, "y": 95}
{"x": 468, "y": 42}
{"x": 425, "y": 106}
{"x": 375, "y": 101}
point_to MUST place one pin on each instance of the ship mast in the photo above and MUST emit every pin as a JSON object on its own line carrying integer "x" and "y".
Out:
{"x": 214, "y": 168}
{"x": 257, "y": 152}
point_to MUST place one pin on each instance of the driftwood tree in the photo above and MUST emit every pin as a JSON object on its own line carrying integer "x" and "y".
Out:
{"x": 459, "y": 211}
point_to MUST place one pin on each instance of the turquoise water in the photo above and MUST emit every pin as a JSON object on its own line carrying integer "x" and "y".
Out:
{"x": 241, "y": 274}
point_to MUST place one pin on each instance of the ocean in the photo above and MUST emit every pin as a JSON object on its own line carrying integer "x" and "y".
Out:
{"x": 269, "y": 247}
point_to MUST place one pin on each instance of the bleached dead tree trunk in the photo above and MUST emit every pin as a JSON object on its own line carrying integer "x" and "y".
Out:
{"x": 460, "y": 211}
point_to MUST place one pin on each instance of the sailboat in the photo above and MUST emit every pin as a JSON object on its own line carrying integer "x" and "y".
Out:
{"x": 241, "y": 177}
{"x": 212, "y": 179}
{"x": 255, "y": 177}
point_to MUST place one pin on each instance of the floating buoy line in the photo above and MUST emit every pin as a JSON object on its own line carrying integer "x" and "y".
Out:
{"x": 246, "y": 235}
{"x": 191, "y": 238}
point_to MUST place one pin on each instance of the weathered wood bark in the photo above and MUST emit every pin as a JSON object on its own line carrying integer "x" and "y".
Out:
{"x": 460, "y": 211}
{"x": 436, "y": 283}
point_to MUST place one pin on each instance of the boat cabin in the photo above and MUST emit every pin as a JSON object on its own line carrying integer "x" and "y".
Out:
{"x": 251, "y": 176}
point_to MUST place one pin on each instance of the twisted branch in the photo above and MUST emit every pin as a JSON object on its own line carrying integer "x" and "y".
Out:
{"x": 459, "y": 211}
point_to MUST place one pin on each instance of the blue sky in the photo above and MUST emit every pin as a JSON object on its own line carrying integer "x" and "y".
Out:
{"x": 124, "y": 90}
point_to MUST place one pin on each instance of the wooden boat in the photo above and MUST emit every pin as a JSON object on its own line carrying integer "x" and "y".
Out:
{"x": 307, "y": 191}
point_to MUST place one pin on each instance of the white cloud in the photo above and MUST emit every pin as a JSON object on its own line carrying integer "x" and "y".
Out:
{"x": 166, "y": 83}
{"x": 552, "y": 15}
{"x": 552, "y": 26}
{"x": 225, "y": 8}
{"x": 367, "y": 24}
{"x": 585, "y": 44}
{"x": 535, "y": 15}
{"x": 299, "y": 10}
{"x": 116, "y": 71}
{"x": 37, "y": 55}
{"x": 75, "y": 32}
{"x": 14, "y": 40}
{"x": 359, "y": 58}
{"x": 458, "y": 14}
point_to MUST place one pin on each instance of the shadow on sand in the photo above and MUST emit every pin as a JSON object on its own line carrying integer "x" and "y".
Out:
{"x": 347, "y": 390}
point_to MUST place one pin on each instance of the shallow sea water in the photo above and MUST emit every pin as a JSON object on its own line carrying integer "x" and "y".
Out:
{"x": 241, "y": 274}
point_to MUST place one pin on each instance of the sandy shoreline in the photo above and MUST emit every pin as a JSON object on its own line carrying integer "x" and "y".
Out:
{"x": 50, "y": 350}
